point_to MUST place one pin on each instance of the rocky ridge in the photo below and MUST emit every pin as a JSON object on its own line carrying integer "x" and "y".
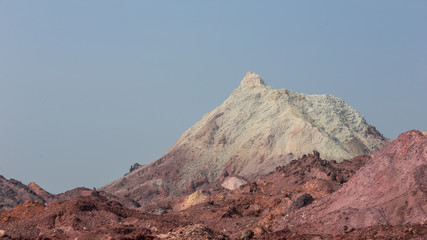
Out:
{"x": 255, "y": 130}
{"x": 14, "y": 192}
{"x": 391, "y": 189}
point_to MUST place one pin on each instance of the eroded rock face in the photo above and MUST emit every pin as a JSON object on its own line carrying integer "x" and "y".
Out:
{"x": 255, "y": 130}
{"x": 389, "y": 190}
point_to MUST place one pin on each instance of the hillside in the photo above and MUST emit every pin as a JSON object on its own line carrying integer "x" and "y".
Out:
{"x": 391, "y": 189}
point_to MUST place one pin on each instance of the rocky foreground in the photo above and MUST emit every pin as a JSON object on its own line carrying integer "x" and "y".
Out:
{"x": 383, "y": 196}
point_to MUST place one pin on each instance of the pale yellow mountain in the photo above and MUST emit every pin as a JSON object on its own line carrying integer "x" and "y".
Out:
{"x": 255, "y": 130}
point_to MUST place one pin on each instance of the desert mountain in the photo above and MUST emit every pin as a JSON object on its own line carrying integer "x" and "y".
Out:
{"x": 14, "y": 192}
{"x": 255, "y": 130}
{"x": 391, "y": 189}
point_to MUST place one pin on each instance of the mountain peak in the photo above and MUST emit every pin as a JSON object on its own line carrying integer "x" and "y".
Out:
{"x": 255, "y": 130}
{"x": 252, "y": 79}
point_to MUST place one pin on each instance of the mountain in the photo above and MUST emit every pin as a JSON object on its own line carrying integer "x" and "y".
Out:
{"x": 255, "y": 130}
{"x": 391, "y": 189}
{"x": 14, "y": 192}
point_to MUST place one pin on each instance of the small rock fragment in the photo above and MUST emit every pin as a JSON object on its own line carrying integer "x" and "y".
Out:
{"x": 246, "y": 235}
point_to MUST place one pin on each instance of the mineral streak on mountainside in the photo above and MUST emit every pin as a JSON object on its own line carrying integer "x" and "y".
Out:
{"x": 391, "y": 189}
{"x": 255, "y": 130}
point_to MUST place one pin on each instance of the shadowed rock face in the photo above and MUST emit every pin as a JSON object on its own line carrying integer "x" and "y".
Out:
{"x": 255, "y": 130}
{"x": 389, "y": 190}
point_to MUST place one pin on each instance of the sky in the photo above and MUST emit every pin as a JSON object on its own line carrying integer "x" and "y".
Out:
{"x": 87, "y": 88}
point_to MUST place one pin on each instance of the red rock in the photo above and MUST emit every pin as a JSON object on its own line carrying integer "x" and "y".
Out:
{"x": 389, "y": 190}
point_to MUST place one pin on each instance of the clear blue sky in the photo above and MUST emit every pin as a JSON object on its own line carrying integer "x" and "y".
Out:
{"x": 88, "y": 88}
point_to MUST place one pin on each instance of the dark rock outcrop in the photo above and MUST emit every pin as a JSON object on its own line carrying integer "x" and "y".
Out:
{"x": 304, "y": 200}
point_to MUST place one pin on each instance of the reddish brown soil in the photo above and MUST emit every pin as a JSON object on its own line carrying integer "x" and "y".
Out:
{"x": 416, "y": 231}
{"x": 91, "y": 217}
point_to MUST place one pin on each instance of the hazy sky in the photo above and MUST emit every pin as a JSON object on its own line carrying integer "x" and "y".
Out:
{"x": 88, "y": 88}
